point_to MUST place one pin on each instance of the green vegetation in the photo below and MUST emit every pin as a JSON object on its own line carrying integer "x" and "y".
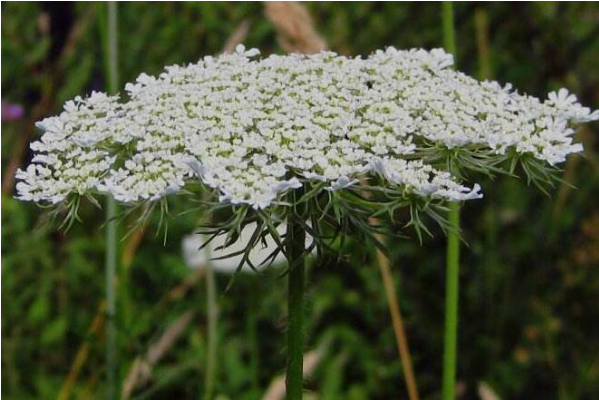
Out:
{"x": 528, "y": 272}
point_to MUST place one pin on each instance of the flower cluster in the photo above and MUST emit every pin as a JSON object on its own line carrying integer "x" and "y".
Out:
{"x": 253, "y": 128}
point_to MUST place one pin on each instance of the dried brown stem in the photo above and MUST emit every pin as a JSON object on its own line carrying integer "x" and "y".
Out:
{"x": 396, "y": 319}
{"x": 82, "y": 354}
{"x": 237, "y": 37}
{"x": 276, "y": 390}
{"x": 398, "y": 326}
{"x": 295, "y": 29}
{"x": 141, "y": 370}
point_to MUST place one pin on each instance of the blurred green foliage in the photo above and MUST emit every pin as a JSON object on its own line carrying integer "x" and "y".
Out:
{"x": 529, "y": 322}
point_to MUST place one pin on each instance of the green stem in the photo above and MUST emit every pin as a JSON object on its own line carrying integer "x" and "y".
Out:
{"x": 110, "y": 264}
{"x": 451, "y": 304}
{"x": 295, "y": 243}
{"x": 111, "y": 224}
{"x": 453, "y": 249}
{"x": 449, "y": 29}
{"x": 212, "y": 310}
{"x": 113, "y": 52}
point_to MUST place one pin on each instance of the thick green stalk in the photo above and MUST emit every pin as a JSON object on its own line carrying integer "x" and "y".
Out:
{"x": 111, "y": 228}
{"x": 449, "y": 29}
{"x": 295, "y": 243}
{"x": 451, "y": 304}
{"x": 453, "y": 249}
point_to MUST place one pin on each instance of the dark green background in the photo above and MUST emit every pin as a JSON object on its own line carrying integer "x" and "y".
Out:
{"x": 529, "y": 318}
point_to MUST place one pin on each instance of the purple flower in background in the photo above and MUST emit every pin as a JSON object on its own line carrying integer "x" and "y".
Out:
{"x": 11, "y": 112}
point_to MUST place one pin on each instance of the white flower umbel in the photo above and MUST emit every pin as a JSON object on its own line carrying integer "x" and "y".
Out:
{"x": 252, "y": 129}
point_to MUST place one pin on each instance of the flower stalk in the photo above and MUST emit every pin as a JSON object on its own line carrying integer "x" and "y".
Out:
{"x": 453, "y": 250}
{"x": 295, "y": 244}
{"x": 451, "y": 303}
